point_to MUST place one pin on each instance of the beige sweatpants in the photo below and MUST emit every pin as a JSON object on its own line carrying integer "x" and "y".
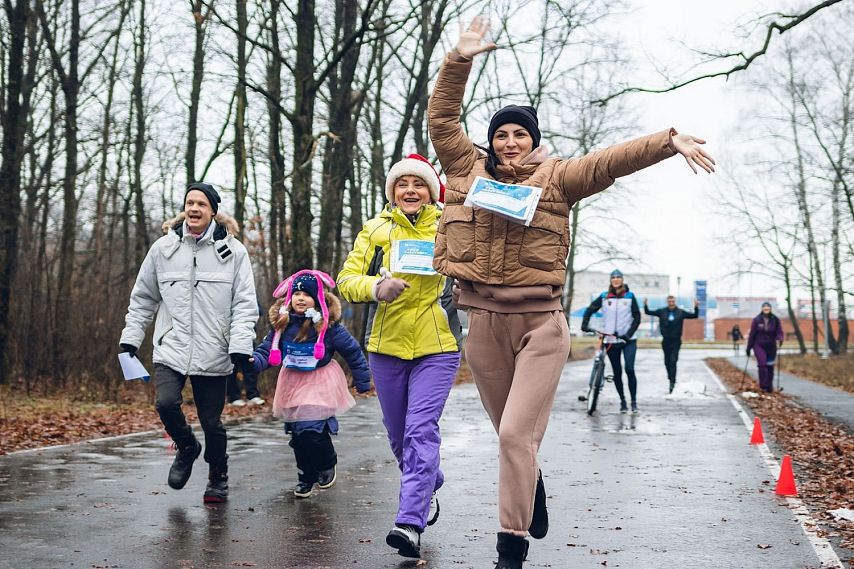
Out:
{"x": 516, "y": 361}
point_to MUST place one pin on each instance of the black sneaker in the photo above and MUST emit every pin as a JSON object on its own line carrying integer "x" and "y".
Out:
{"x": 672, "y": 385}
{"x": 326, "y": 478}
{"x": 635, "y": 409}
{"x": 512, "y": 551}
{"x": 182, "y": 466}
{"x": 623, "y": 407}
{"x": 406, "y": 540}
{"x": 217, "y": 488}
{"x": 540, "y": 521}
{"x": 303, "y": 490}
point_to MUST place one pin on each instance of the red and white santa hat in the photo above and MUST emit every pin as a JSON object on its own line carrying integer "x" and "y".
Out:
{"x": 415, "y": 165}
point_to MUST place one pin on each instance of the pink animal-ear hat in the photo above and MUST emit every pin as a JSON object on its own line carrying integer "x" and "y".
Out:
{"x": 312, "y": 283}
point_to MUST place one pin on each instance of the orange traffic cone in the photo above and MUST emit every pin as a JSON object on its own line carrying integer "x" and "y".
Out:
{"x": 786, "y": 481}
{"x": 756, "y": 437}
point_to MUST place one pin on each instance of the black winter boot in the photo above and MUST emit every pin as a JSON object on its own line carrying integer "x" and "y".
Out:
{"x": 540, "y": 521}
{"x": 512, "y": 551}
{"x": 217, "y": 489}
{"x": 182, "y": 466}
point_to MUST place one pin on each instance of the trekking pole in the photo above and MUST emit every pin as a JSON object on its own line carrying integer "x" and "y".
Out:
{"x": 744, "y": 373}
{"x": 779, "y": 359}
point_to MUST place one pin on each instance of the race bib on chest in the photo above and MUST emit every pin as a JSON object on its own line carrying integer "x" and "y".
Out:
{"x": 300, "y": 357}
{"x": 412, "y": 256}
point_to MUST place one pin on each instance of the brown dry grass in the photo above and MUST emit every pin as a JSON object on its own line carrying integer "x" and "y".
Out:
{"x": 836, "y": 371}
{"x": 822, "y": 452}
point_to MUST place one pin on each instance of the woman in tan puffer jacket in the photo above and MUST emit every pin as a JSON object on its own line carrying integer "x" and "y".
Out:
{"x": 510, "y": 276}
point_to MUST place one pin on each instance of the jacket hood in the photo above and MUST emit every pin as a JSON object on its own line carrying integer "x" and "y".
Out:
{"x": 223, "y": 220}
{"x": 280, "y": 321}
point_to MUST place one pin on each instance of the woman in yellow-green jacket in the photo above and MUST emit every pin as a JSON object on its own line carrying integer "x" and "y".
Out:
{"x": 414, "y": 336}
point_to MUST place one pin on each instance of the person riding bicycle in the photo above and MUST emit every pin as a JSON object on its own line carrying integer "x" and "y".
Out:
{"x": 620, "y": 320}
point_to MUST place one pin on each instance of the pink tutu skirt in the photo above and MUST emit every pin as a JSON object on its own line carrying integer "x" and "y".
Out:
{"x": 312, "y": 395}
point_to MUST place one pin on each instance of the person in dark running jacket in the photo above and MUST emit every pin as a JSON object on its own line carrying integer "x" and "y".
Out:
{"x": 766, "y": 335}
{"x": 670, "y": 319}
{"x": 620, "y": 320}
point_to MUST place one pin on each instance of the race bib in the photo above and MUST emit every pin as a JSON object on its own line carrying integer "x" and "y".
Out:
{"x": 412, "y": 256}
{"x": 300, "y": 357}
{"x": 512, "y": 201}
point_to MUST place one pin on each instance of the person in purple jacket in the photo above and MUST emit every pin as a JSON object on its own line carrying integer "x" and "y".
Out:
{"x": 312, "y": 388}
{"x": 766, "y": 335}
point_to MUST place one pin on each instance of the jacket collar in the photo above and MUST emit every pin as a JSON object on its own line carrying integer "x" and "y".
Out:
{"x": 429, "y": 215}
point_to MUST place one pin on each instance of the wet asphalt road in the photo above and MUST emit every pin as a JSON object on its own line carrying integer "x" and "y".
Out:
{"x": 676, "y": 486}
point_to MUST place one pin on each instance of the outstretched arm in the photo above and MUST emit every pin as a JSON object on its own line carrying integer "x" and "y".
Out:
{"x": 594, "y": 172}
{"x": 455, "y": 150}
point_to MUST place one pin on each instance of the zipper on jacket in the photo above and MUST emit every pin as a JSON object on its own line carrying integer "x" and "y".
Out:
{"x": 192, "y": 299}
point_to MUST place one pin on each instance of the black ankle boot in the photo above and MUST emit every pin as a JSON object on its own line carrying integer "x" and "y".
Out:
{"x": 512, "y": 551}
{"x": 540, "y": 521}
{"x": 217, "y": 489}
{"x": 182, "y": 466}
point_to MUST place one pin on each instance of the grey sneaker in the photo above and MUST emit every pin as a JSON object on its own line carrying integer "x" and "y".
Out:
{"x": 237, "y": 403}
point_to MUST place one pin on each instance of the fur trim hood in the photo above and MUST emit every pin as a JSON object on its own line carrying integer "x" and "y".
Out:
{"x": 280, "y": 321}
{"x": 223, "y": 220}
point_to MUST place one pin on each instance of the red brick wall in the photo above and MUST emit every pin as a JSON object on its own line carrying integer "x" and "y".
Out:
{"x": 724, "y": 325}
{"x": 694, "y": 329}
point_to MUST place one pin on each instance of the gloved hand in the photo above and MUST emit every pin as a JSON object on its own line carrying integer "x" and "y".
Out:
{"x": 747, "y": 351}
{"x": 625, "y": 338}
{"x": 127, "y": 348}
{"x": 243, "y": 362}
{"x": 387, "y": 290}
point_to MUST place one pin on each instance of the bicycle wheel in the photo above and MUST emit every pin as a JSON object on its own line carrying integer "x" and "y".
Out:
{"x": 596, "y": 378}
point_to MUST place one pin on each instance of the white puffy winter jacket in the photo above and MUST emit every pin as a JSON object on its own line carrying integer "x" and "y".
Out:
{"x": 203, "y": 293}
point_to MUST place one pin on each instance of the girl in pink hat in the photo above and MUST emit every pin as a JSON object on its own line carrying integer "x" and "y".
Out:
{"x": 312, "y": 388}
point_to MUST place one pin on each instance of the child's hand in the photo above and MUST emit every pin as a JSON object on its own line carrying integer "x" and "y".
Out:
{"x": 370, "y": 392}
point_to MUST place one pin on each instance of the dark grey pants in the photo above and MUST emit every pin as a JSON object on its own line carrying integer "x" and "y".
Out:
{"x": 209, "y": 396}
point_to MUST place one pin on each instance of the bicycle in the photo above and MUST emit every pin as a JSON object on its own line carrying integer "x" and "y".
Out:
{"x": 597, "y": 375}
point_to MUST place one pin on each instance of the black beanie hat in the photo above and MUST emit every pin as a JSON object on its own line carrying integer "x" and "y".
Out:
{"x": 208, "y": 190}
{"x": 523, "y": 116}
{"x": 308, "y": 285}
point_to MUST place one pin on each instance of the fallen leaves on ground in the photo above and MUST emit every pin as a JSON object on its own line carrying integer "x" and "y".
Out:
{"x": 822, "y": 452}
{"x": 33, "y": 422}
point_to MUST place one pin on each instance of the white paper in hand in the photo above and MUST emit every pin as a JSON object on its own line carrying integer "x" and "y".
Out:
{"x": 132, "y": 368}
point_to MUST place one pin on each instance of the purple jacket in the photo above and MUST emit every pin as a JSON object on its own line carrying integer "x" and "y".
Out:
{"x": 763, "y": 334}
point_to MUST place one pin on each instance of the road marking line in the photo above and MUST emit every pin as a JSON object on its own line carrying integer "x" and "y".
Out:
{"x": 822, "y": 547}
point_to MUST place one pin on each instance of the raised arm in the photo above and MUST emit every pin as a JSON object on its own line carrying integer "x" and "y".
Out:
{"x": 696, "y": 313}
{"x": 455, "y": 150}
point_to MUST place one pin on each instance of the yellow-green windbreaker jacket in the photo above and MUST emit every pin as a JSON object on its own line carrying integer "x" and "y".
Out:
{"x": 422, "y": 320}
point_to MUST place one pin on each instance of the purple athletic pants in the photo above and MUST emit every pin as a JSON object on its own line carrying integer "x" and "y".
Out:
{"x": 766, "y": 354}
{"x": 412, "y": 395}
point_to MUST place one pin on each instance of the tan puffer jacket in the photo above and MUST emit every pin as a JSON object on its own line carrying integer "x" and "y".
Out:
{"x": 486, "y": 249}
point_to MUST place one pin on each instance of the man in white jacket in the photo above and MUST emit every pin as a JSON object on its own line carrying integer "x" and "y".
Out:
{"x": 197, "y": 280}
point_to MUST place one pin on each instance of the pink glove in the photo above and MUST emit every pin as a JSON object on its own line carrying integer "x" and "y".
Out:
{"x": 389, "y": 289}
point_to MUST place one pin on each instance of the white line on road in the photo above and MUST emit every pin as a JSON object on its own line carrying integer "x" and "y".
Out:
{"x": 822, "y": 547}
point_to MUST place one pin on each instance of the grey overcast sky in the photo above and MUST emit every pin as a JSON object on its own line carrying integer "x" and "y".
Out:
{"x": 675, "y": 210}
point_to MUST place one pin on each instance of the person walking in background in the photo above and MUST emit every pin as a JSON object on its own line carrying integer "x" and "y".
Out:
{"x": 736, "y": 336}
{"x": 620, "y": 320}
{"x": 312, "y": 389}
{"x": 670, "y": 320}
{"x": 197, "y": 280}
{"x": 414, "y": 337}
{"x": 511, "y": 275}
{"x": 766, "y": 335}
{"x": 250, "y": 383}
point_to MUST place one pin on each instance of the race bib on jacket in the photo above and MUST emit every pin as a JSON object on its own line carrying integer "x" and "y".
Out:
{"x": 300, "y": 357}
{"x": 512, "y": 201}
{"x": 412, "y": 256}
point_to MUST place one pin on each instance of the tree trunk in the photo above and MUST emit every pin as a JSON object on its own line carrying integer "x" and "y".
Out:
{"x": 302, "y": 122}
{"x": 793, "y": 317}
{"x": 240, "y": 118}
{"x": 278, "y": 198}
{"x": 142, "y": 241}
{"x": 195, "y": 89}
{"x": 14, "y": 127}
